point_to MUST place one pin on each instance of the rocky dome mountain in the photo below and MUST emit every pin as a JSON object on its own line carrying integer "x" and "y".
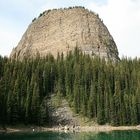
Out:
{"x": 61, "y": 30}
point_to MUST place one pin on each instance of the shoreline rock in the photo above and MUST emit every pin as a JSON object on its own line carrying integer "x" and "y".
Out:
{"x": 98, "y": 128}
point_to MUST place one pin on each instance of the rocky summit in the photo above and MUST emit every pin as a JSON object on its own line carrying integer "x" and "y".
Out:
{"x": 61, "y": 30}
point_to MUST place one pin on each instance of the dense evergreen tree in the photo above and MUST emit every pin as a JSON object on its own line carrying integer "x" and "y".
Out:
{"x": 104, "y": 91}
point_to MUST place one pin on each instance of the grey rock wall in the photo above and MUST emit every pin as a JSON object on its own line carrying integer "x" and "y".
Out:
{"x": 62, "y": 30}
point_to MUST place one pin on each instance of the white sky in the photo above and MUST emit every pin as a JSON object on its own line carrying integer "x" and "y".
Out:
{"x": 122, "y": 17}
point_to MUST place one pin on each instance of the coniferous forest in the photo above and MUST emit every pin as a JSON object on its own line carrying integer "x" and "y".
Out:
{"x": 103, "y": 91}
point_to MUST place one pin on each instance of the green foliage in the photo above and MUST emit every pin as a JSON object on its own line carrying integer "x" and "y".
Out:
{"x": 105, "y": 92}
{"x": 34, "y": 20}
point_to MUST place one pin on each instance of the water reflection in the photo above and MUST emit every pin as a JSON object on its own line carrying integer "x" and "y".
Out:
{"x": 115, "y": 135}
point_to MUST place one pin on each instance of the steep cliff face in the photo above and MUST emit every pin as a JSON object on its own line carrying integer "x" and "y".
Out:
{"x": 62, "y": 30}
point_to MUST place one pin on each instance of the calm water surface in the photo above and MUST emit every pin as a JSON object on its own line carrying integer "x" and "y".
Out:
{"x": 115, "y": 135}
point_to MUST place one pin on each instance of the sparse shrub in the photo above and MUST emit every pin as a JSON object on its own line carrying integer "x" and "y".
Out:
{"x": 33, "y": 19}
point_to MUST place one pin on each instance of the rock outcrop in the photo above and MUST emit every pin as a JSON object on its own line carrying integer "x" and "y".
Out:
{"x": 61, "y": 30}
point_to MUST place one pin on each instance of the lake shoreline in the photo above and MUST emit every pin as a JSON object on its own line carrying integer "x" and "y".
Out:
{"x": 98, "y": 128}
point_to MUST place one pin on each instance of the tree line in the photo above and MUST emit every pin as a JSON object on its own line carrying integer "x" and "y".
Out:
{"x": 103, "y": 91}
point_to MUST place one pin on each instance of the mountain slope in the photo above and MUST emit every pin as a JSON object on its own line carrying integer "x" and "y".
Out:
{"x": 61, "y": 30}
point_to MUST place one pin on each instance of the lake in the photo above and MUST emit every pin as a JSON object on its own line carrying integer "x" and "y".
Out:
{"x": 115, "y": 135}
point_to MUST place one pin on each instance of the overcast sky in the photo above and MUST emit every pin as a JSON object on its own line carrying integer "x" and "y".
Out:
{"x": 122, "y": 17}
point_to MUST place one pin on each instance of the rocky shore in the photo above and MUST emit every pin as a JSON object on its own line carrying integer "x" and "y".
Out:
{"x": 98, "y": 128}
